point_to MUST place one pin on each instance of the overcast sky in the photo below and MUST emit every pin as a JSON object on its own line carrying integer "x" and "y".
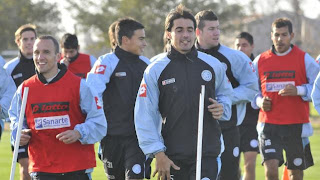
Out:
{"x": 311, "y": 9}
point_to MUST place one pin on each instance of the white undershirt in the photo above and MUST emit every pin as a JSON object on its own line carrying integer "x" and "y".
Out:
{"x": 50, "y": 79}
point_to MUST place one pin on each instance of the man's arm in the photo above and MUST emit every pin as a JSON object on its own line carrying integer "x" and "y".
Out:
{"x": 312, "y": 70}
{"x": 100, "y": 73}
{"x": 244, "y": 72}
{"x": 147, "y": 117}
{"x": 223, "y": 91}
{"x": 7, "y": 90}
{"x": 92, "y": 60}
{"x": 14, "y": 113}
{"x": 148, "y": 121}
{"x": 95, "y": 126}
{"x": 316, "y": 94}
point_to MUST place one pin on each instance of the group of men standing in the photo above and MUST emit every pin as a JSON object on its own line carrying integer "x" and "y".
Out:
{"x": 151, "y": 106}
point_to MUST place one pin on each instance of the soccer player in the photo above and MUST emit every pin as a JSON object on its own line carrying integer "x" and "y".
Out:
{"x": 116, "y": 77}
{"x": 7, "y": 89}
{"x": 22, "y": 68}
{"x": 166, "y": 109}
{"x": 62, "y": 119}
{"x": 78, "y": 63}
{"x": 240, "y": 72}
{"x": 249, "y": 144}
{"x": 286, "y": 74}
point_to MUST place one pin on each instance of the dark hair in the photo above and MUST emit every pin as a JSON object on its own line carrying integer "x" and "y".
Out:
{"x": 247, "y": 36}
{"x": 205, "y": 15}
{"x": 179, "y": 12}
{"x": 111, "y": 34}
{"x": 55, "y": 42}
{"x": 24, "y": 28}
{"x": 126, "y": 27}
{"x": 282, "y": 22}
{"x": 69, "y": 41}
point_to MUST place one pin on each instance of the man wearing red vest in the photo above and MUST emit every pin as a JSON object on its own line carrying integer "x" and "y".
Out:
{"x": 78, "y": 63}
{"x": 286, "y": 75}
{"x": 62, "y": 118}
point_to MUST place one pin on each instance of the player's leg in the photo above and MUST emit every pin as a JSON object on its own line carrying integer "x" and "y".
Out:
{"x": 271, "y": 148}
{"x": 135, "y": 161}
{"x": 230, "y": 156}
{"x": 249, "y": 165}
{"x": 295, "y": 152}
{"x": 113, "y": 157}
{"x": 249, "y": 145}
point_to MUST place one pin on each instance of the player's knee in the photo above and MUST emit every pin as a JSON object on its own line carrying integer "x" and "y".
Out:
{"x": 250, "y": 165}
{"x": 296, "y": 174}
{"x": 271, "y": 174}
{"x": 24, "y": 174}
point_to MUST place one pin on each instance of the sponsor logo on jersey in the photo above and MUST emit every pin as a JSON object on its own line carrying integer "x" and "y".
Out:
{"x": 52, "y": 122}
{"x": 168, "y": 81}
{"x": 206, "y": 75}
{"x": 50, "y": 107}
{"x": 279, "y": 74}
{"x": 100, "y": 69}
{"x": 98, "y": 103}
{"x": 120, "y": 74}
{"x": 143, "y": 90}
{"x": 277, "y": 86}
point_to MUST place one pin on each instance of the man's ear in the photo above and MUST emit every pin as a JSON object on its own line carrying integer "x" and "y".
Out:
{"x": 58, "y": 57}
{"x": 292, "y": 35}
{"x": 17, "y": 41}
{"x": 124, "y": 40}
{"x": 168, "y": 35}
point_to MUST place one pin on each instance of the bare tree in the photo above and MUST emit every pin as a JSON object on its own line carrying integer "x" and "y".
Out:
{"x": 298, "y": 15}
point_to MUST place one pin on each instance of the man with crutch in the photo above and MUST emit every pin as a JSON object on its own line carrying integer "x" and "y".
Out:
{"x": 166, "y": 109}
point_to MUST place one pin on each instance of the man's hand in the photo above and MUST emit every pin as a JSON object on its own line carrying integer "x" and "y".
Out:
{"x": 163, "y": 165}
{"x": 215, "y": 108}
{"x": 25, "y": 137}
{"x": 65, "y": 61}
{"x": 266, "y": 104}
{"x": 289, "y": 90}
{"x": 69, "y": 136}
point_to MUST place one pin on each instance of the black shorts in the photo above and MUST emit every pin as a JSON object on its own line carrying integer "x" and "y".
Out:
{"x": 22, "y": 153}
{"x": 209, "y": 169}
{"x": 276, "y": 138}
{"x": 76, "y": 175}
{"x": 248, "y": 138}
{"x": 230, "y": 156}
{"x": 123, "y": 158}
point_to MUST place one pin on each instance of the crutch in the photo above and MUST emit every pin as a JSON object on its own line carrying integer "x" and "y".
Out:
{"x": 200, "y": 133}
{"x": 18, "y": 135}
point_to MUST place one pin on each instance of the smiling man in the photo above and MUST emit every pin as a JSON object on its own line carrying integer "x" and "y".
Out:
{"x": 286, "y": 75}
{"x": 22, "y": 68}
{"x": 116, "y": 77}
{"x": 166, "y": 110}
{"x": 240, "y": 72}
{"x": 76, "y": 127}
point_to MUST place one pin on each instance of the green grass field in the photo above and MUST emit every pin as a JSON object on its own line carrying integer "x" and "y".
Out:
{"x": 312, "y": 173}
